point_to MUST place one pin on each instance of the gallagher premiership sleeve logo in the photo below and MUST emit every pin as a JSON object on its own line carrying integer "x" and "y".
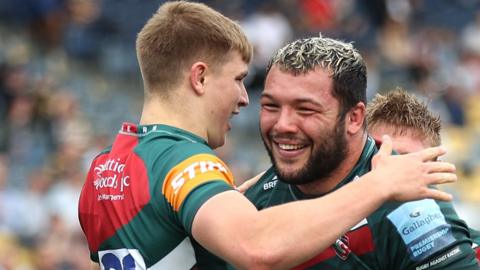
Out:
{"x": 191, "y": 173}
{"x": 422, "y": 227}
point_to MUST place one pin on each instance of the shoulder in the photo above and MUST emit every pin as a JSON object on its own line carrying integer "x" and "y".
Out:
{"x": 266, "y": 182}
{"x": 425, "y": 228}
{"x": 260, "y": 191}
{"x": 417, "y": 217}
{"x": 177, "y": 167}
{"x": 105, "y": 151}
{"x": 173, "y": 146}
{"x": 166, "y": 152}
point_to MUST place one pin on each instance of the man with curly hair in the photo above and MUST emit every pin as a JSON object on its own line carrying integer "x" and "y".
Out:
{"x": 312, "y": 122}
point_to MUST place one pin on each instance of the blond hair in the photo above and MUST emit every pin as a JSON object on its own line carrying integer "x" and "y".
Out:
{"x": 179, "y": 34}
{"x": 404, "y": 112}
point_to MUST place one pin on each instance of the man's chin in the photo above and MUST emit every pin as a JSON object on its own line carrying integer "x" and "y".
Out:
{"x": 214, "y": 144}
{"x": 291, "y": 179}
{"x": 287, "y": 174}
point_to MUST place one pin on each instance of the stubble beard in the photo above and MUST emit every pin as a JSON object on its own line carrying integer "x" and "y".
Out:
{"x": 323, "y": 160}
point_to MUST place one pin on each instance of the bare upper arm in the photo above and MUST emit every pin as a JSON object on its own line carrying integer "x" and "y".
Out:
{"x": 218, "y": 224}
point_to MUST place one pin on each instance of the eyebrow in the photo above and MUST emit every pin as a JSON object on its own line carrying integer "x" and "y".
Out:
{"x": 266, "y": 95}
{"x": 296, "y": 101}
{"x": 243, "y": 74}
{"x": 308, "y": 100}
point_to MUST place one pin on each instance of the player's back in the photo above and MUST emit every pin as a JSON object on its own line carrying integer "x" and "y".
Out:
{"x": 134, "y": 208}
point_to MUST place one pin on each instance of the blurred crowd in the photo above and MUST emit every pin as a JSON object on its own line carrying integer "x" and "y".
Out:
{"x": 69, "y": 78}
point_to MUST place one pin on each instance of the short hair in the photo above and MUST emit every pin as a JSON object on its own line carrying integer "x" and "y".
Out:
{"x": 179, "y": 34}
{"x": 404, "y": 112}
{"x": 345, "y": 63}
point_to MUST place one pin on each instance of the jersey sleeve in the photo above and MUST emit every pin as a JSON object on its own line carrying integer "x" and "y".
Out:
{"x": 195, "y": 178}
{"x": 424, "y": 234}
{"x": 475, "y": 235}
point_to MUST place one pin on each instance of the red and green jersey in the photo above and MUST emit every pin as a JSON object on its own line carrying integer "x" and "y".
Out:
{"x": 475, "y": 235}
{"x": 417, "y": 235}
{"x": 141, "y": 195}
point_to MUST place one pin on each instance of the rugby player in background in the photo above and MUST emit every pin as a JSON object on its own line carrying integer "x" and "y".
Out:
{"x": 410, "y": 125}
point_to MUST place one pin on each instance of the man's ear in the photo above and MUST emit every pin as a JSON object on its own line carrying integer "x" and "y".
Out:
{"x": 355, "y": 118}
{"x": 198, "y": 72}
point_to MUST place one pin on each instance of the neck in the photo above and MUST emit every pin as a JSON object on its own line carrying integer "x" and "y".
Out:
{"x": 167, "y": 112}
{"x": 325, "y": 185}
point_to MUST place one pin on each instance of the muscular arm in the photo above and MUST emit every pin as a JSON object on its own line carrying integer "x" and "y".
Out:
{"x": 281, "y": 237}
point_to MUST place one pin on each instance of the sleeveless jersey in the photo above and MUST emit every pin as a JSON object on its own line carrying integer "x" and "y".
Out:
{"x": 140, "y": 197}
{"x": 423, "y": 234}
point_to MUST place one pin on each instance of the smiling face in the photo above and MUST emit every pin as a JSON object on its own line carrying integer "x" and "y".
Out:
{"x": 300, "y": 126}
{"x": 226, "y": 93}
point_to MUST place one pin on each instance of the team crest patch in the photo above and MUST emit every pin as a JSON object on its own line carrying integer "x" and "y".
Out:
{"x": 422, "y": 227}
{"x": 341, "y": 247}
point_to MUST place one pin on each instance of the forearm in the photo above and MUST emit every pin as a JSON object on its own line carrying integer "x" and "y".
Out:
{"x": 317, "y": 222}
{"x": 284, "y": 236}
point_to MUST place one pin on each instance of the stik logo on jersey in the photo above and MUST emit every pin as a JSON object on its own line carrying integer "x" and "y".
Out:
{"x": 191, "y": 173}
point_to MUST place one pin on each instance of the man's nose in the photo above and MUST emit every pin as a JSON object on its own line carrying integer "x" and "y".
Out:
{"x": 286, "y": 121}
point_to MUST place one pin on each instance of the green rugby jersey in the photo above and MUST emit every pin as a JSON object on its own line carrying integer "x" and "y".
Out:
{"x": 423, "y": 234}
{"x": 475, "y": 235}
{"x": 141, "y": 195}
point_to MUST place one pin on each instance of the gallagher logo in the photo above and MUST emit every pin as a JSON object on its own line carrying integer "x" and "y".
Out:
{"x": 420, "y": 223}
{"x": 415, "y": 213}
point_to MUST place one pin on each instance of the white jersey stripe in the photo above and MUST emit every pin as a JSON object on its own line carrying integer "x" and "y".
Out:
{"x": 360, "y": 224}
{"x": 182, "y": 257}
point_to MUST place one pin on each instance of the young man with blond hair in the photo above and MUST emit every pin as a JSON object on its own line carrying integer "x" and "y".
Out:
{"x": 159, "y": 197}
{"x": 406, "y": 119}
{"x": 410, "y": 125}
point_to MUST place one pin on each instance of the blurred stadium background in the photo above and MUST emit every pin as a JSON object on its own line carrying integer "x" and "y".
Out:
{"x": 69, "y": 78}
